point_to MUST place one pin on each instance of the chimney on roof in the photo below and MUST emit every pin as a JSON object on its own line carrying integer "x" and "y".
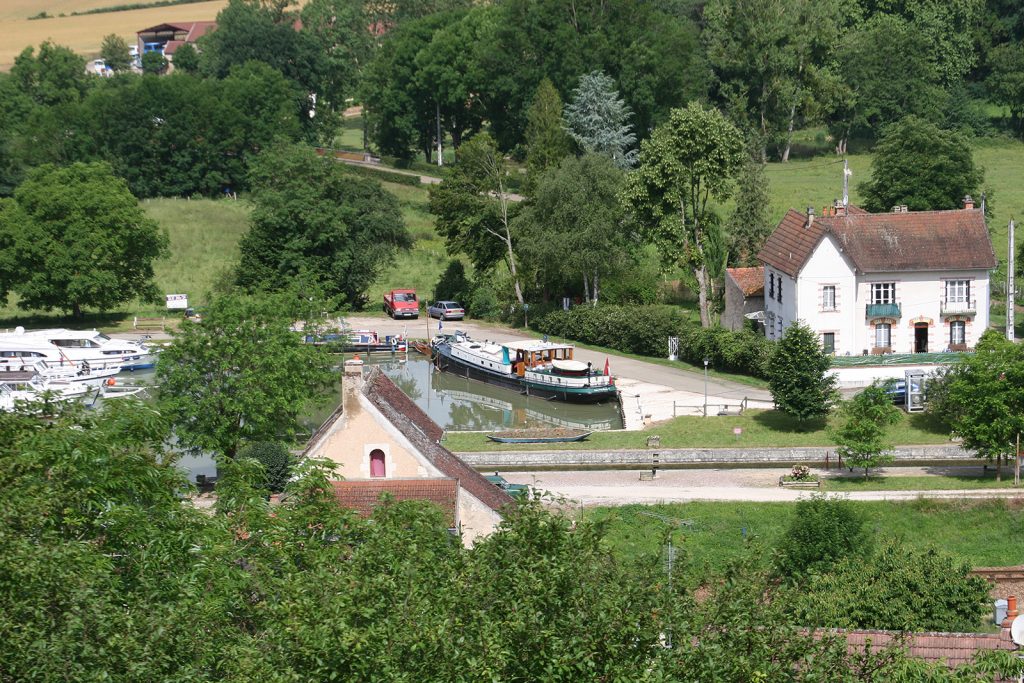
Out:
{"x": 810, "y": 217}
{"x": 1011, "y": 611}
{"x": 968, "y": 202}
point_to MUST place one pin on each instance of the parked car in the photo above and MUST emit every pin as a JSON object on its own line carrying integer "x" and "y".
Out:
{"x": 402, "y": 303}
{"x": 446, "y": 310}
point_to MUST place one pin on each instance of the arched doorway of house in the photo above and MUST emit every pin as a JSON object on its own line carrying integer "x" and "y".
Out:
{"x": 920, "y": 337}
{"x": 377, "y": 463}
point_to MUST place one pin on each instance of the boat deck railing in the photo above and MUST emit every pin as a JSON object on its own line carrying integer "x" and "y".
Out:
{"x": 543, "y": 377}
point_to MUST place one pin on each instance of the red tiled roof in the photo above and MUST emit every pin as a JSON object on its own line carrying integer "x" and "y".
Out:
{"x": 749, "y": 280}
{"x": 886, "y": 242}
{"x": 425, "y": 435}
{"x": 365, "y": 496}
{"x": 952, "y": 649}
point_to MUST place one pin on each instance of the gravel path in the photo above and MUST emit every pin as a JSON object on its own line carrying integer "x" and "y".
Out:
{"x": 623, "y": 487}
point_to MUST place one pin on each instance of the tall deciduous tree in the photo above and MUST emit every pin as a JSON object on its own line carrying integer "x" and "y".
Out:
{"x": 76, "y": 237}
{"x": 1006, "y": 79}
{"x": 798, "y": 374}
{"x": 599, "y": 121}
{"x": 241, "y": 374}
{"x": 546, "y": 141}
{"x": 983, "y": 397}
{"x": 474, "y": 210}
{"x": 315, "y": 221}
{"x": 115, "y": 53}
{"x": 918, "y": 164}
{"x": 582, "y": 193}
{"x": 686, "y": 166}
{"x": 861, "y": 435}
{"x": 54, "y": 76}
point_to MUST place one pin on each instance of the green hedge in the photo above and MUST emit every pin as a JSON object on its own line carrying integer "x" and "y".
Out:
{"x": 644, "y": 330}
{"x": 385, "y": 176}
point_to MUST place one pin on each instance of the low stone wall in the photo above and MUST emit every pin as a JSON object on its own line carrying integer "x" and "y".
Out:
{"x": 691, "y": 457}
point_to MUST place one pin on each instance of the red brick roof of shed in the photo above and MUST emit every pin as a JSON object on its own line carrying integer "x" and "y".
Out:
{"x": 749, "y": 280}
{"x": 365, "y": 496}
{"x": 886, "y": 242}
{"x": 953, "y": 649}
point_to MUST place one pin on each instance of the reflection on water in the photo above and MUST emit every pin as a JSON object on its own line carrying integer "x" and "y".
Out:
{"x": 461, "y": 404}
{"x": 455, "y": 403}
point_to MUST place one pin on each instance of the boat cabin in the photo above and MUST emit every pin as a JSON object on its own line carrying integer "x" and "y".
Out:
{"x": 540, "y": 355}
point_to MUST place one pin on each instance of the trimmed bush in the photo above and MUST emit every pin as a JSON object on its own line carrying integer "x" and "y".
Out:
{"x": 276, "y": 460}
{"x": 644, "y": 330}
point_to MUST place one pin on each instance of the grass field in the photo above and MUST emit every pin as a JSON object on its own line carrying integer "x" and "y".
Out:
{"x": 949, "y": 482}
{"x": 760, "y": 428}
{"x": 723, "y": 531}
{"x": 85, "y": 33}
{"x": 204, "y": 236}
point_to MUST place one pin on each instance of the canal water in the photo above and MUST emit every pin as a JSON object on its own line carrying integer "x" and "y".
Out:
{"x": 455, "y": 403}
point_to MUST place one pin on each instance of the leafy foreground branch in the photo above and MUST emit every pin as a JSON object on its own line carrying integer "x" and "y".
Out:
{"x": 108, "y": 572}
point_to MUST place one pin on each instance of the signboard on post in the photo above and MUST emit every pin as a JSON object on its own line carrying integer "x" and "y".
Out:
{"x": 177, "y": 301}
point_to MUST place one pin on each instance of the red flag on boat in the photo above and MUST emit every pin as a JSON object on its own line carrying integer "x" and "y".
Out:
{"x": 607, "y": 371}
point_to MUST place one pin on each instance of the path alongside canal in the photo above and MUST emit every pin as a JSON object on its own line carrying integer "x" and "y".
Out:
{"x": 624, "y": 487}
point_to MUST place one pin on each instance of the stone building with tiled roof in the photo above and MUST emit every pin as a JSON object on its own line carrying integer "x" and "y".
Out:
{"x": 899, "y": 282}
{"x": 744, "y": 297}
{"x": 384, "y": 443}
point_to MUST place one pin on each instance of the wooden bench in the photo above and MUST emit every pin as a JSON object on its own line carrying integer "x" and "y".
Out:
{"x": 808, "y": 484}
{"x": 149, "y": 323}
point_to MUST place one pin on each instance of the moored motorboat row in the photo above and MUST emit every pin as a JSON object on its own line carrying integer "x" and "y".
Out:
{"x": 62, "y": 365}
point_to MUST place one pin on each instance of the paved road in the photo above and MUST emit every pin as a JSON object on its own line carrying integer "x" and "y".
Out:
{"x": 621, "y": 366}
{"x": 424, "y": 179}
{"x": 623, "y": 487}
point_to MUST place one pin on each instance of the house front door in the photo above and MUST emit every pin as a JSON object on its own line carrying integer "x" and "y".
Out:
{"x": 921, "y": 338}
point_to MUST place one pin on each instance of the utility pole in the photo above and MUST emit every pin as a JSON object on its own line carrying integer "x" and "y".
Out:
{"x": 440, "y": 152}
{"x": 1011, "y": 298}
{"x": 846, "y": 186}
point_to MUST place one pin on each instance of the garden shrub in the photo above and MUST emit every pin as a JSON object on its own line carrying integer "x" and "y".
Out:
{"x": 823, "y": 531}
{"x": 276, "y": 460}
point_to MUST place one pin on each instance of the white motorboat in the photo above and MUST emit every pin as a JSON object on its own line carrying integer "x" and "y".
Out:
{"x": 18, "y": 387}
{"x": 61, "y": 345}
{"x": 47, "y": 360}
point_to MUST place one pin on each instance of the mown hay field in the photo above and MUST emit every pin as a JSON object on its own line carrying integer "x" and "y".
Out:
{"x": 83, "y": 34}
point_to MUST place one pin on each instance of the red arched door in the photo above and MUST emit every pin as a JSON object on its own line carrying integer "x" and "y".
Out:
{"x": 377, "y": 463}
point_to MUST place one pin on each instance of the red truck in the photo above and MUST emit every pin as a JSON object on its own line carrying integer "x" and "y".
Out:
{"x": 402, "y": 303}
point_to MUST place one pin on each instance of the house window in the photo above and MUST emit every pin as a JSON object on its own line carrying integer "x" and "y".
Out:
{"x": 377, "y": 463}
{"x": 771, "y": 285}
{"x": 883, "y": 335}
{"x": 958, "y": 291}
{"x": 828, "y": 342}
{"x": 883, "y": 293}
{"x": 780, "y": 291}
{"x": 957, "y": 332}
{"x": 828, "y": 297}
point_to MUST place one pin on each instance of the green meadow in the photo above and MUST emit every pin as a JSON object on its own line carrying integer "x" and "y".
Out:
{"x": 204, "y": 233}
{"x": 722, "y": 532}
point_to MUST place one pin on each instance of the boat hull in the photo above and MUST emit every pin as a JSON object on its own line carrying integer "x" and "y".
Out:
{"x": 456, "y": 366}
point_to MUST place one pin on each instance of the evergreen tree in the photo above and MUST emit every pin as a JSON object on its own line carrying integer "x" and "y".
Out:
{"x": 546, "y": 139}
{"x": 750, "y": 224}
{"x": 798, "y": 374}
{"x": 598, "y": 120}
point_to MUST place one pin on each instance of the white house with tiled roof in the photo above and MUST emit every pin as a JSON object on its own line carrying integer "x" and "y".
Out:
{"x": 899, "y": 282}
